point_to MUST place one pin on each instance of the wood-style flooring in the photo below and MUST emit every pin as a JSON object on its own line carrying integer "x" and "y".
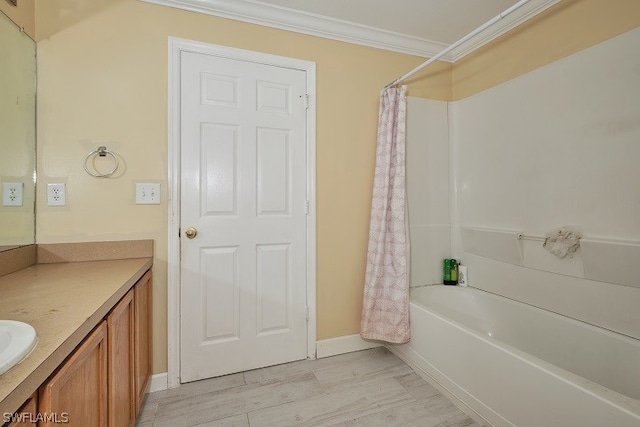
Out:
{"x": 367, "y": 388}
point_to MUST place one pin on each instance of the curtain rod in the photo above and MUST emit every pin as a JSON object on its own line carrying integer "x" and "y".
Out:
{"x": 20, "y": 27}
{"x": 458, "y": 43}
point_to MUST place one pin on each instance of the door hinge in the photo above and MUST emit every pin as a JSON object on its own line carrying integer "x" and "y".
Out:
{"x": 179, "y": 232}
{"x": 307, "y": 314}
{"x": 306, "y": 101}
{"x": 306, "y": 207}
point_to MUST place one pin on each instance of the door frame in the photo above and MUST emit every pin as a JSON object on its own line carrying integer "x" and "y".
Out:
{"x": 176, "y": 47}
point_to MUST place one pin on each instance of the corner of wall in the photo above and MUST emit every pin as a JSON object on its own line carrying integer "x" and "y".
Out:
{"x": 562, "y": 30}
{"x": 23, "y": 15}
{"x": 511, "y": 177}
{"x": 428, "y": 161}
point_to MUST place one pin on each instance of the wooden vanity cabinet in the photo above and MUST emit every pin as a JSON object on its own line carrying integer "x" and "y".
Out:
{"x": 121, "y": 361}
{"x": 143, "y": 348}
{"x": 104, "y": 380}
{"x": 26, "y": 415}
{"x": 78, "y": 390}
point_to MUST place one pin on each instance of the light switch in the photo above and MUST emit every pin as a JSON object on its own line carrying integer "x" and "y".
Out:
{"x": 147, "y": 193}
{"x": 12, "y": 193}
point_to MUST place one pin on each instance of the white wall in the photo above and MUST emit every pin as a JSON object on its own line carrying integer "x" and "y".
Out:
{"x": 428, "y": 188}
{"x": 557, "y": 146}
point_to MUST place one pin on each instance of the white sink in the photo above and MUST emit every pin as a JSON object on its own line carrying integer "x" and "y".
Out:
{"x": 17, "y": 339}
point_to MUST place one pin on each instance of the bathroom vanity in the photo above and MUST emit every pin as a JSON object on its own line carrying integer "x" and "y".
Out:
{"x": 92, "y": 362}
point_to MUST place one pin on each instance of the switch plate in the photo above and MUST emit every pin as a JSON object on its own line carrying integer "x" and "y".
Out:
{"x": 12, "y": 193}
{"x": 147, "y": 193}
{"x": 56, "y": 194}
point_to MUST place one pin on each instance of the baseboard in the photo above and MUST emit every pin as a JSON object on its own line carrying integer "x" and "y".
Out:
{"x": 345, "y": 344}
{"x": 158, "y": 382}
{"x": 324, "y": 348}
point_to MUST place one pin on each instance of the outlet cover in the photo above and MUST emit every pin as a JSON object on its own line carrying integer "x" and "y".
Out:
{"x": 12, "y": 193}
{"x": 147, "y": 193}
{"x": 56, "y": 194}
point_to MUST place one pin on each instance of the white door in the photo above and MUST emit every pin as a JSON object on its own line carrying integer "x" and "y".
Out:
{"x": 244, "y": 189}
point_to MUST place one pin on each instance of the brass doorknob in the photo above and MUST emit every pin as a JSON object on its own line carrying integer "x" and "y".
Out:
{"x": 191, "y": 232}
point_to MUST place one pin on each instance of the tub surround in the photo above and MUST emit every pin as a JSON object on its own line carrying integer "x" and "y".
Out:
{"x": 64, "y": 301}
{"x": 556, "y": 146}
{"x": 428, "y": 189}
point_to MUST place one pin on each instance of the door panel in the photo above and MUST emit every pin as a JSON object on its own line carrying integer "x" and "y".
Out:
{"x": 221, "y": 299}
{"x": 244, "y": 175}
{"x": 219, "y": 156}
{"x": 274, "y": 171}
{"x": 273, "y": 290}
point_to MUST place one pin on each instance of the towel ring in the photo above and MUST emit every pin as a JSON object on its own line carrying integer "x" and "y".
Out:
{"x": 101, "y": 152}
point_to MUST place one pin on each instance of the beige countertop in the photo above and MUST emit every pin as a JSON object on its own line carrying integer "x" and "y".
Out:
{"x": 63, "y": 302}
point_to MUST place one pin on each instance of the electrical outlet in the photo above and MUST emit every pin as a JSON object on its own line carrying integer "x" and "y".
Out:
{"x": 147, "y": 193}
{"x": 56, "y": 194}
{"x": 12, "y": 193}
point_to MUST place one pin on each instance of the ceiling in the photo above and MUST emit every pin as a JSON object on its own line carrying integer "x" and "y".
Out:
{"x": 418, "y": 27}
{"x": 440, "y": 21}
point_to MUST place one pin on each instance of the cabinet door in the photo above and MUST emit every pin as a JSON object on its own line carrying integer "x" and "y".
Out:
{"x": 121, "y": 383}
{"x": 78, "y": 390}
{"x": 26, "y": 415}
{"x": 143, "y": 349}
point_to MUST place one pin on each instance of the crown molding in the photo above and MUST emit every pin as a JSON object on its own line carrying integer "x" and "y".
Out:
{"x": 321, "y": 26}
{"x": 307, "y": 23}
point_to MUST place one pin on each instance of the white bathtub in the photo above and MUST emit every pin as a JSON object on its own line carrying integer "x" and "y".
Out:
{"x": 517, "y": 365}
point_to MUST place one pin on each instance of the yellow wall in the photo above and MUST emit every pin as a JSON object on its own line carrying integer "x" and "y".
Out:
{"x": 562, "y": 30}
{"x": 103, "y": 81}
{"x": 23, "y": 14}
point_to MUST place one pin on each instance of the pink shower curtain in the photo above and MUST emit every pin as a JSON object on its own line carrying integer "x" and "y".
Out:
{"x": 385, "y": 311}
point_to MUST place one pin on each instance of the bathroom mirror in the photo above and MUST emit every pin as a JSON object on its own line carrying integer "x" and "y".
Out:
{"x": 17, "y": 135}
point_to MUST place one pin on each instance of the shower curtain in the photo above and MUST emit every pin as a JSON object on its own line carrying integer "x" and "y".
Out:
{"x": 385, "y": 311}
